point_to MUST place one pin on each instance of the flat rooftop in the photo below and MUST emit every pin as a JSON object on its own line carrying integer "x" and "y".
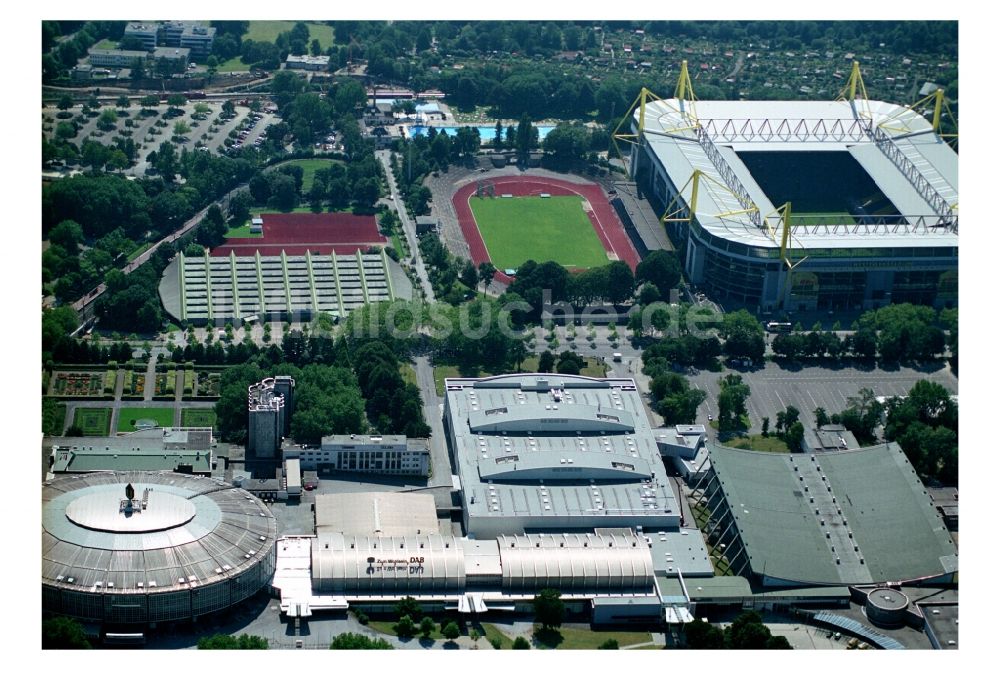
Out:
{"x": 557, "y": 448}
{"x": 376, "y": 514}
{"x": 736, "y": 127}
{"x": 801, "y": 516}
{"x": 154, "y": 449}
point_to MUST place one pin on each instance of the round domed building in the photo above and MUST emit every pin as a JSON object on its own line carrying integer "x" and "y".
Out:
{"x": 131, "y": 548}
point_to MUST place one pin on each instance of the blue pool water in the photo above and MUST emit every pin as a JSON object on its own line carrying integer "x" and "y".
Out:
{"x": 486, "y": 134}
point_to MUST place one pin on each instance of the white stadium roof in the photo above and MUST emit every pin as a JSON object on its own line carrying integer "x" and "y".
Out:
{"x": 924, "y": 165}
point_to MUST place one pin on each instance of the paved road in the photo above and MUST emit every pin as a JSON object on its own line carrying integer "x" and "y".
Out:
{"x": 433, "y": 412}
{"x": 409, "y": 229}
{"x": 773, "y": 388}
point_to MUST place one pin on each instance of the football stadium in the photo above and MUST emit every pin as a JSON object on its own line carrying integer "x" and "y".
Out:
{"x": 803, "y": 205}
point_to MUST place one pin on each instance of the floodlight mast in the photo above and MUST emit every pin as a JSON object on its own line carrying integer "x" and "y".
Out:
{"x": 683, "y": 92}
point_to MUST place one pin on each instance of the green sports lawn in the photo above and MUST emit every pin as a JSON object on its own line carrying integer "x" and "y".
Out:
{"x": 127, "y": 417}
{"x": 516, "y": 229}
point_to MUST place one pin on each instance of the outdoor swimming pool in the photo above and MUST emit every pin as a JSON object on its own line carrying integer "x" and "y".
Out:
{"x": 486, "y": 134}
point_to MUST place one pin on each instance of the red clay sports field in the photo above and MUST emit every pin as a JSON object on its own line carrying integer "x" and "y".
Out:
{"x": 296, "y": 233}
{"x": 606, "y": 224}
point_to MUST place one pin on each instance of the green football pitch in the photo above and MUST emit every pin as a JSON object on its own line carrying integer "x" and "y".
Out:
{"x": 516, "y": 229}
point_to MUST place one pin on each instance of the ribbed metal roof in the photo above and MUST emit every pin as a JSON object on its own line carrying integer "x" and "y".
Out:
{"x": 191, "y": 531}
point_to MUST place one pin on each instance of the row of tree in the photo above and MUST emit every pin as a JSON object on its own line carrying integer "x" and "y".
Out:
{"x": 746, "y": 632}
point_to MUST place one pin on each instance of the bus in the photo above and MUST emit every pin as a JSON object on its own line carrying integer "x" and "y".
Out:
{"x": 779, "y": 327}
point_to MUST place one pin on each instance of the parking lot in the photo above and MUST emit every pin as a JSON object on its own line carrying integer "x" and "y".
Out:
{"x": 208, "y": 129}
{"x": 772, "y": 388}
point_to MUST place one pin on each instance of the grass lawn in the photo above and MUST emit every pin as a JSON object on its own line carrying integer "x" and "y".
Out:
{"x": 53, "y": 417}
{"x": 242, "y": 231}
{"x": 757, "y": 442}
{"x": 586, "y": 639}
{"x": 267, "y": 31}
{"x": 309, "y": 168}
{"x": 594, "y": 367}
{"x": 397, "y": 244}
{"x": 106, "y": 43}
{"x": 409, "y": 375}
{"x": 257, "y": 211}
{"x": 385, "y": 627}
{"x": 138, "y": 251}
{"x": 127, "y": 417}
{"x": 233, "y": 65}
{"x": 197, "y": 417}
{"x": 94, "y": 422}
{"x": 542, "y": 229}
{"x": 442, "y": 372}
{"x": 492, "y": 632}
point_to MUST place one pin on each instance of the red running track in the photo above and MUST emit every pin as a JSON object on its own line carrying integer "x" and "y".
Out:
{"x": 609, "y": 229}
{"x": 296, "y": 233}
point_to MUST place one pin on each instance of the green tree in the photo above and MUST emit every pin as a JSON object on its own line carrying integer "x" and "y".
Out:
{"x": 765, "y": 426}
{"x": 107, "y": 120}
{"x": 486, "y": 272}
{"x": 546, "y": 362}
{"x": 794, "y": 436}
{"x": 527, "y": 136}
{"x": 610, "y": 644}
{"x": 167, "y": 163}
{"x": 660, "y": 268}
{"x": 63, "y": 633}
{"x": 66, "y": 102}
{"x": 227, "y": 642}
{"x": 407, "y": 606}
{"x": 427, "y": 626}
{"x": 732, "y": 402}
{"x": 744, "y": 336}
{"x": 67, "y": 234}
{"x": 351, "y": 641}
{"x": 451, "y": 631}
{"x": 701, "y": 635}
{"x": 549, "y": 608}
{"x": 648, "y": 293}
{"x": 521, "y": 643}
{"x": 821, "y": 417}
{"x": 239, "y": 207}
{"x": 405, "y": 628}
{"x": 748, "y": 632}
{"x": 469, "y": 275}
{"x": 620, "y": 282}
